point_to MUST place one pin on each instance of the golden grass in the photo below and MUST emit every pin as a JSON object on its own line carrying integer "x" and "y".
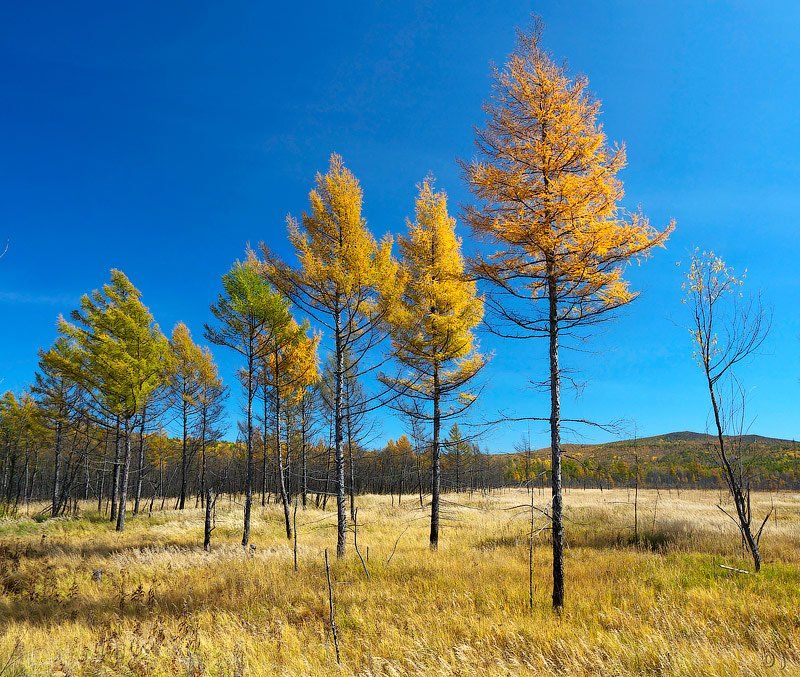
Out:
{"x": 164, "y": 606}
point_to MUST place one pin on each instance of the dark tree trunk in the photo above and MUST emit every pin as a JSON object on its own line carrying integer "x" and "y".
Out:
{"x": 248, "y": 483}
{"x": 279, "y": 455}
{"x": 140, "y": 466}
{"x": 555, "y": 451}
{"x": 184, "y": 452}
{"x": 435, "y": 464}
{"x": 264, "y": 463}
{"x": 341, "y": 507}
{"x": 126, "y": 466}
{"x": 56, "y": 472}
{"x": 303, "y": 457}
{"x": 115, "y": 476}
{"x": 739, "y": 493}
{"x": 203, "y": 455}
{"x": 210, "y": 500}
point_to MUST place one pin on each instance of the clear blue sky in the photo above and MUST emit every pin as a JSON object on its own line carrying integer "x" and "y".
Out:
{"x": 160, "y": 138}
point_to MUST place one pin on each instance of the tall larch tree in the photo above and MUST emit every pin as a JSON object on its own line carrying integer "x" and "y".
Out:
{"x": 188, "y": 363}
{"x": 57, "y": 398}
{"x": 549, "y": 204}
{"x": 433, "y": 328}
{"x": 211, "y": 398}
{"x": 241, "y": 312}
{"x": 118, "y": 356}
{"x": 289, "y": 366}
{"x": 345, "y": 280}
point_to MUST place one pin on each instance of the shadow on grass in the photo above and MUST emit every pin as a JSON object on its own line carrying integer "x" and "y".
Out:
{"x": 30, "y": 594}
{"x": 667, "y": 536}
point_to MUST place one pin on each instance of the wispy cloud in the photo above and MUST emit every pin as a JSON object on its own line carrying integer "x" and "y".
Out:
{"x": 22, "y": 298}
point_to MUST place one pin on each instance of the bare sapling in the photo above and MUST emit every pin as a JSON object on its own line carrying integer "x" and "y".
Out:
{"x": 210, "y": 523}
{"x": 727, "y": 328}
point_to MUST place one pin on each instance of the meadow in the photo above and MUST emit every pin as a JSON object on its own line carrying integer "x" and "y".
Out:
{"x": 78, "y": 598}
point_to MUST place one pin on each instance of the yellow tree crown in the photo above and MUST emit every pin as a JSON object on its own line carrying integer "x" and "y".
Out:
{"x": 435, "y": 317}
{"x": 549, "y": 192}
{"x": 342, "y": 267}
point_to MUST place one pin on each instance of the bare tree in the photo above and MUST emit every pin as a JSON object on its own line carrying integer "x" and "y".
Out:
{"x": 727, "y": 328}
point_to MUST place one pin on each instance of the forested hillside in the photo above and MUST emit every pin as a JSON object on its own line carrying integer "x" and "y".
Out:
{"x": 677, "y": 460}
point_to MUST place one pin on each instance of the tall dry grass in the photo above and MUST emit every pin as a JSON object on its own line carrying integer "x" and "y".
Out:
{"x": 163, "y": 606}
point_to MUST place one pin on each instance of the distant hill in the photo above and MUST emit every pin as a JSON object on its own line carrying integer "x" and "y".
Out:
{"x": 688, "y": 436}
{"x": 682, "y": 458}
{"x": 668, "y": 442}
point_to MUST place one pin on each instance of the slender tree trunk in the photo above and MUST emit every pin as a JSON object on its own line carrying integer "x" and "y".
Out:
{"x": 458, "y": 468}
{"x": 248, "y": 482}
{"x": 115, "y": 475}
{"x": 303, "y": 456}
{"x": 419, "y": 481}
{"x": 281, "y": 476}
{"x": 636, "y": 503}
{"x": 341, "y": 507}
{"x": 740, "y": 500}
{"x": 140, "y": 465}
{"x": 126, "y": 466}
{"x": 555, "y": 450}
{"x": 203, "y": 455}
{"x": 86, "y": 475}
{"x": 161, "y": 482}
{"x": 56, "y": 471}
{"x": 101, "y": 480}
{"x": 435, "y": 464}
{"x": 210, "y": 499}
{"x": 264, "y": 464}
{"x": 184, "y": 452}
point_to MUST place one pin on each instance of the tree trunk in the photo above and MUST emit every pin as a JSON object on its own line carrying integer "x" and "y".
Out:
{"x": 279, "y": 455}
{"x": 735, "y": 484}
{"x": 185, "y": 431}
{"x": 56, "y": 472}
{"x": 458, "y": 468}
{"x": 210, "y": 500}
{"x": 203, "y": 455}
{"x": 435, "y": 464}
{"x": 303, "y": 453}
{"x": 419, "y": 481}
{"x": 101, "y": 480}
{"x": 264, "y": 464}
{"x": 555, "y": 451}
{"x": 341, "y": 508}
{"x": 248, "y": 482}
{"x": 126, "y": 466}
{"x": 115, "y": 475}
{"x": 140, "y": 468}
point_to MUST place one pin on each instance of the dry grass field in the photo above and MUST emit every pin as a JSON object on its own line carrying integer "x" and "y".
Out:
{"x": 164, "y": 606}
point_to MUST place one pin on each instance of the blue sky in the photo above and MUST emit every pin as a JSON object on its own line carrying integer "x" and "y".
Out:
{"x": 160, "y": 138}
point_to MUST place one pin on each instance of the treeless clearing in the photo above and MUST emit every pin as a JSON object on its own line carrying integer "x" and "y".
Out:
{"x": 164, "y": 606}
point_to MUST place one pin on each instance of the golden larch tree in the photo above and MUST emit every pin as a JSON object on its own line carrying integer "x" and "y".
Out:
{"x": 433, "y": 327}
{"x": 289, "y": 368}
{"x": 118, "y": 356}
{"x": 346, "y": 281}
{"x": 549, "y": 198}
{"x": 186, "y": 367}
